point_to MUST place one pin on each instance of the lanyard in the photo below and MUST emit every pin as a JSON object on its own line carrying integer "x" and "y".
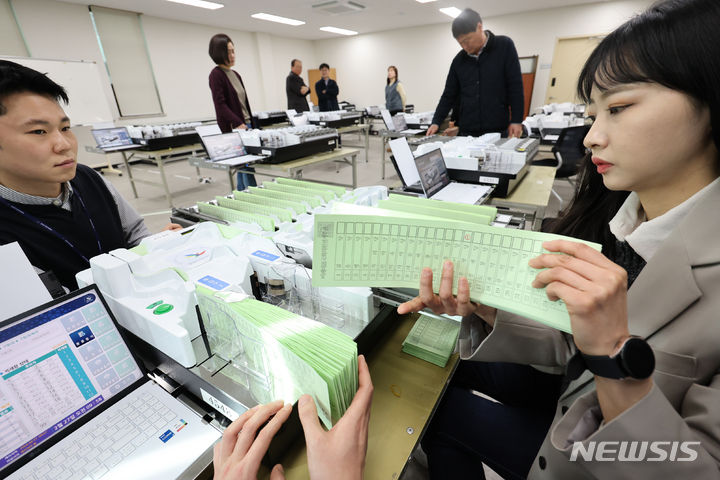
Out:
{"x": 54, "y": 232}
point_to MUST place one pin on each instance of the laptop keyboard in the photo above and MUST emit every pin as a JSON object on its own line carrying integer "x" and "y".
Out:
{"x": 93, "y": 450}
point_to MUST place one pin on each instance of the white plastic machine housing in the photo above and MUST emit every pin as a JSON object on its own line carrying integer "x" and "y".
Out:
{"x": 136, "y": 285}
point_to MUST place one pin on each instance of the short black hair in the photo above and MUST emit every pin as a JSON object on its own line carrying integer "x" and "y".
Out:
{"x": 324, "y": 65}
{"x": 293, "y": 61}
{"x": 219, "y": 48}
{"x": 16, "y": 78}
{"x": 466, "y": 22}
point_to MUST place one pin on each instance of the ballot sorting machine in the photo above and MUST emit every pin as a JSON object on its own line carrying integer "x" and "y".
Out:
{"x": 255, "y": 244}
{"x": 488, "y": 159}
{"x": 284, "y": 144}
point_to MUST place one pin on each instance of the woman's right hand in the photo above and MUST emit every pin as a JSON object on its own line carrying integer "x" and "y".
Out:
{"x": 445, "y": 302}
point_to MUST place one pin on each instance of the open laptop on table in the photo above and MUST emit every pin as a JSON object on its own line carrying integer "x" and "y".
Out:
{"x": 113, "y": 139}
{"x": 227, "y": 149}
{"x": 436, "y": 182}
{"x": 404, "y": 162}
{"x": 75, "y": 403}
{"x": 398, "y": 124}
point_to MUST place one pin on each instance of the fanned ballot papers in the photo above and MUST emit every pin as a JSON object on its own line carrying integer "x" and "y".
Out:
{"x": 432, "y": 339}
{"x": 384, "y": 247}
{"x": 281, "y": 355}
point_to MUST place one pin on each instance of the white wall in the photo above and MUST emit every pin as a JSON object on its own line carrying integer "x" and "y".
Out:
{"x": 423, "y": 54}
{"x": 178, "y": 52}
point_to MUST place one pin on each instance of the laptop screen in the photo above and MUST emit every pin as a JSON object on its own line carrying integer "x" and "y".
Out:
{"x": 388, "y": 120}
{"x": 57, "y": 364}
{"x": 399, "y": 122}
{"x": 433, "y": 173}
{"x": 223, "y": 146}
{"x": 112, "y": 137}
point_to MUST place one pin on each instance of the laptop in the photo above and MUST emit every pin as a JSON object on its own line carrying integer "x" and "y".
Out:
{"x": 436, "y": 183}
{"x": 404, "y": 162}
{"x": 227, "y": 149}
{"x": 113, "y": 139}
{"x": 75, "y": 403}
{"x": 398, "y": 124}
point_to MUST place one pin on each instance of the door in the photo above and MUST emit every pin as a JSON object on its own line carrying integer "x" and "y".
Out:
{"x": 568, "y": 59}
{"x": 314, "y": 76}
{"x": 528, "y": 67}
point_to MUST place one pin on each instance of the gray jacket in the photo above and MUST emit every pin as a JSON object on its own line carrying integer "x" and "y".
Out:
{"x": 675, "y": 305}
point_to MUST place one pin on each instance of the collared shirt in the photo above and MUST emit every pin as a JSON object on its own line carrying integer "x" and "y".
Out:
{"x": 133, "y": 225}
{"x": 645, "y": 236}
{"x": 481, "y": 49}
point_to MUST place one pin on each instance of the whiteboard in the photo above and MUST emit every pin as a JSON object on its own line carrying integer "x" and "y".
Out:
{"x": 84, "y": 86}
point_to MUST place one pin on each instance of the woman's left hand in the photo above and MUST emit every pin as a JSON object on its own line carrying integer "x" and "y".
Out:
{"x": 594, "y": 290}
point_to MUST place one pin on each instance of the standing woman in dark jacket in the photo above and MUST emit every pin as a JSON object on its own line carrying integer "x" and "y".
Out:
{"x": 232, "y": 108}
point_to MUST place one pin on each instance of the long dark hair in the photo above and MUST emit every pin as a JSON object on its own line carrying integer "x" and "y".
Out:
{"x": 397, "y": 79}
{"x": 675, "y": 43}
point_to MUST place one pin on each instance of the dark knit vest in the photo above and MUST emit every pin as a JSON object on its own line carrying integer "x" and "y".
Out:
{"x": 47, "y": 251}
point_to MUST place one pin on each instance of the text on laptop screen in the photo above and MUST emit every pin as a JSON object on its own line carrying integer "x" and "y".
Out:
{"x": 55, "y": 366}
{"x": 220, "y": 147}
{"x": 433, "y": 173}
{"x": 112, "y": 137}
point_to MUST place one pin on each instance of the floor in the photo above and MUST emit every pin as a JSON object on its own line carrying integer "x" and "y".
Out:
{"x": 186, "y": 190}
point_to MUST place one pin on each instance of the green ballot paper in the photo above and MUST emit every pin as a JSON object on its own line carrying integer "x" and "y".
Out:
{"x": 277, "y": 354}
{"x": 386, "y": 251}
{"x": 432, "y": 339}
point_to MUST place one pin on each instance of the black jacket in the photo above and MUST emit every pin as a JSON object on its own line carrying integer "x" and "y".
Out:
{"x": 296, "y": 100}
{"x": 488, "y": 90}
{"x": 327, "y": 101}
{"x": 45, "y": 250}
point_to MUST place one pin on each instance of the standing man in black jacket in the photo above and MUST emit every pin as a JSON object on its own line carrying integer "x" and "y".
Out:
{"x": 327, "y": 90}
{"x": 296, "y": 89}
{"x": 484, "y": 80}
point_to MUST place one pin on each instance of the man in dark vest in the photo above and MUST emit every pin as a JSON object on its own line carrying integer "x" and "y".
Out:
{"x": 484, "y": 82}
{"x": 296, "y": 89}
{"x": 61, "y": 213}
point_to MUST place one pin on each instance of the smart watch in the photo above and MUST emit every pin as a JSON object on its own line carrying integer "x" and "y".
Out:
{"x": 635, "y": 359}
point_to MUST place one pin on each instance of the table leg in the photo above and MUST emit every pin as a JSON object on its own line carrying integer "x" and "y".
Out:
{"x": 231, "y": 176}
{"x": 384, "y": 147}
{"x": 160, "y": 163}
{"x": 354, "y": 169}
{"x": 126, "y": 161}
{"x": 367, "y": 142}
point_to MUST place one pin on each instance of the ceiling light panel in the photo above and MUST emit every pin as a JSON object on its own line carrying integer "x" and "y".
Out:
{"x": 451, "y": 11}
{"x": 339, "y": 31}
{"x": 199, "y": 3}
{"x": 277, "y": 19}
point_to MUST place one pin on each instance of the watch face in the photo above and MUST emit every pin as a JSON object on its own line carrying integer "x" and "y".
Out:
{"x": 638, "y": 358}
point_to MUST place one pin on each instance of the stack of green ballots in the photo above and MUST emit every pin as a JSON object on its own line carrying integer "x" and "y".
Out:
{"x": 432, "y": 339}
{"x": 282, "y": 355}
{"x": 480, "y": 214}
